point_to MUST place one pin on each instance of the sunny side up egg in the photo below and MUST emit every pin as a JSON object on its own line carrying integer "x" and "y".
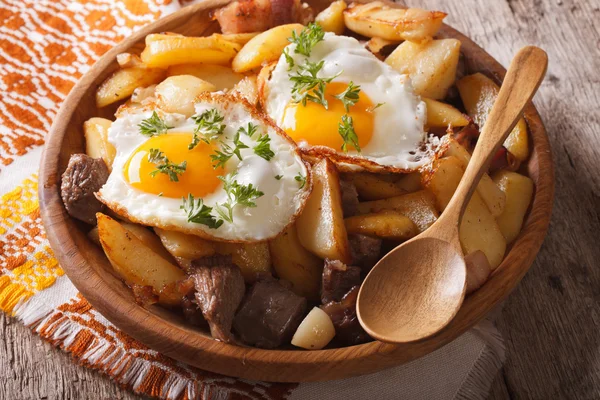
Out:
{"x": 250, "y": 177}
{"x": 388, "y": 117}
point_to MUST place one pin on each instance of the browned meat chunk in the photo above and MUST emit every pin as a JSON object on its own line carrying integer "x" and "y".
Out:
{"x": 191, "y": 312}
{"x": 338, "y": 278}
{"x": 349, "y": 198}
{"x": 83, "y": 177}
{"x": 144, "y": 295}
{"x": 245, "y": 16}
{"x": 343, "y": 315}
{"x": 365, "y": 250}
{"x": 269, "y": 315}
{"x": 219, "y": 292}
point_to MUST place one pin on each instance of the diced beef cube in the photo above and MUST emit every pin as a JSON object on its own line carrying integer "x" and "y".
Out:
{"x": 365, "y": 250}
{"x": 83, "y": 177}
{"x": 337, "y": 279}
{"x": 212, "y": 261}
{"x": 191, "y": 312}
{"x": 349, "y": 198}
{"x": 343, "y": 315}
{"x": 269, "y": 315}
{"x": 219, "y": 292}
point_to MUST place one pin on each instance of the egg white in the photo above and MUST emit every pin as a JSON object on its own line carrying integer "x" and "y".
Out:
{"x": 283, "y": 199}
{"x": 399, "y": 136}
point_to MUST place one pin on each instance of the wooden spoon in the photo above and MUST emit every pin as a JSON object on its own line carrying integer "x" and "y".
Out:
{"x": 417, "y": 288}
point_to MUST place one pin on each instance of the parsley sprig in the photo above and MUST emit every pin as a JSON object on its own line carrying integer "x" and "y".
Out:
{"x": 200, "y": 213}
{"x": 221, "y": 157}
{"x": 346, "y": 131}
{"x": 308, "y": 38}
{"x": 309, "y": 87}
{"x": 208, "y": 127}
{"x": 153, "y": 126}
{"x": 164, "y": 166}
{"x": 301, "y": 179}
{"x": 349, "y": 97}
{"x": 237, "y": 194}
{"x": 263, "y": 148}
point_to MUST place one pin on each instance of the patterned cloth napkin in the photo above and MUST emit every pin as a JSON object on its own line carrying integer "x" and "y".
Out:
{"x": 45, "y": 47}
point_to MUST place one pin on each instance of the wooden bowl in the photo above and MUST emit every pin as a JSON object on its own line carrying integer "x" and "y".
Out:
{"x": 89, "y": 270}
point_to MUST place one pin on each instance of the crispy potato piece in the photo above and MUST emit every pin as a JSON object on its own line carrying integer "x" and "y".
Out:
{"x": 431, "y": 65}
{"x": 478, "y": 229}
{"x": 128, "y": 60}
{"x": 419, "y": 207}
{"x": 374, "y": 187}
{"x": 176, "y": 94}
{"x": 149, "y": 238}
{"x": 295, "y": 264}
{"x": 253, "y": 259}
{"x": 182, "y": 245}
{"x": 221, "y": 77}
{"x": 519, "y": 191}
{"x": 320, "y": 227}
{"x": 441, "y": 115}
{"x": 121, "y": 84}
{"x": 487, "y": 189}
{"x": 377, "y": 19}
{"x": 136, "y": 263}
{"x": 315, "y": 331}
{"x": 93, "y": 236}
{"x": 410, "y": 182}
{"x": 248, "y": 89}
{"x": 96, "y": 140}
{"x": 386, "y": 225}
{"x": 264, "y": 48}
{"x": 331, "y": 19}
{"x": 478, "y": 93}
{"x": 238, "y": 38}
{"x": 378, "y": 46}
{"x": 478, "y": 270}
{"x": 163, "y": 51}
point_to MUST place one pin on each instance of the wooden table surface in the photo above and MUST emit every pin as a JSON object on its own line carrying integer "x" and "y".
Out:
{"x": 551, "y": 322}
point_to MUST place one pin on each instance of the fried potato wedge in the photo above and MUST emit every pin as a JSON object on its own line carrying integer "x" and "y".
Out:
{"x": 221, "y": 77}
{"x": 419, "y": 207}
{"x": 519, "y": 191}
{"x": 377, "y": 19}
{"x": 136, "y": 263}
{"x": 149, "y": 238}
{"x": 331, "y": 19}
{"x": 177, "y": 94}
{"x": 381, "y": 47}
{"x": 442, "y": 115}
{"x": 97, "y": 145}
{"x": 121, "y": 84}
{"x": 320, "y": 227}
{"x": 431, "y": 65}
{"x": 478, "y": 93}
{"x": 315, "y": 331}
{"x": 386, "y": 225}
{"x": 374, "y": 187}
{"x": 185, "y": 246}
{"x": 264, "y": 48}
{"x": 490, "y": 193}
{"x": 478, "y": 270}
{"x": 295, "y": 264}
{"x": 163, "y": 50}
{"x": 253, "y": 259}
{"x": 93, "y": 236}
{"x": 238, "y": 38}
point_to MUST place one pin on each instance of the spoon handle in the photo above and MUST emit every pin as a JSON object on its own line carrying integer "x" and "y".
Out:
{"x": 524, "y": 76}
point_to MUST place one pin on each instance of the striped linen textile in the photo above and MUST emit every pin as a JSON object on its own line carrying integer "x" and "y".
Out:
{"x": 45, "y": 47}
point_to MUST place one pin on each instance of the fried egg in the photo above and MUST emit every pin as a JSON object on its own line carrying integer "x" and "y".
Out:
{"x": 388, "y": 117}
{"x": 278, "y": 181}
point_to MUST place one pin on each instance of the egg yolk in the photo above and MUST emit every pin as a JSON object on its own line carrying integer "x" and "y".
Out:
{"x": 199, "y": 177}
{"x": 319, "y": 126}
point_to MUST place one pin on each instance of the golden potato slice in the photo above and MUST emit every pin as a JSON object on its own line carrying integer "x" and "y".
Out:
{"x": 431, "y": 65}
{"x": 331, "y": 19}
{"x": 295, "y": 264}
{"x": 378, "y": 46}
{"x": 478, "y": 93}
{"x": 315, "y": 331}
{"x": 239, "y": 38}
{"x": 93, "y": 236}
{"x": 253, "y": 259}
{"x": 264, "y": 48}
{"x": 410, "y": 182}
{"x": 163, "y": 51}
{"x": 376, "y": 19}
{"x": 136, "y": 263}
{"x": 386, "y": 225}
{"x": 444, "y": 179}
{"x": 121, "y": 84}
{"x": 519, "y": 191}
{"x": 478, "y": 270}
{"x": 320, "y": 227}
{"x": 374, "y": 187}
{"x": 128, "y": 60}
{"x": 177, "y": 94}
{"x": 487, "y": 189}
{"x": 419, "y": 207}
{"x": 149, "y": 238}
{"x": 248, "y": 89}
{"x": 97, "y": 145}
{"x": 182, "y": 245}
{"x": 442, "y": 115}
{"x": 221, "y": 77}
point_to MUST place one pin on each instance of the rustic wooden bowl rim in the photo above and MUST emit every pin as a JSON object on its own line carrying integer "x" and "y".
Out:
{"x": 193, "y": 347}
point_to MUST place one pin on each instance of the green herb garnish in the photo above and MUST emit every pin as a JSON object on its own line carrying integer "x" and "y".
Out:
{"x": 250, "y": 131}
{"x": 346, "y": 131}
{"x": 301, "y": 179}
{"x": 208, "y": 127}
{"x": 237, "y": 194}
{"x": 153, "y": 126}
{"x": 349, "y": 97}
{"x": 263, "y": 148}
{"x": 308, "y": 38}
{"x": 164, "y": 166}
{"x": 307, "y": 86}
{"x": 278, "y": 177}
{"x": 222, "y": 156}
{"x": 199, "y": 213}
